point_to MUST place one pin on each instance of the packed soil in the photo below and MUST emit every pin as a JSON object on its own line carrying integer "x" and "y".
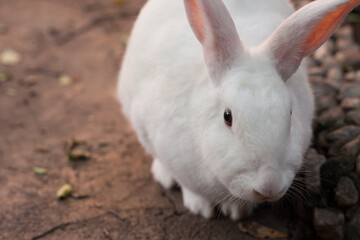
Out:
{"x": 63, "y": 88}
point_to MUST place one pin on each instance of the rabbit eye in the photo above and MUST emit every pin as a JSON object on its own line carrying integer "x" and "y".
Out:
{"x": 228, "y": 117}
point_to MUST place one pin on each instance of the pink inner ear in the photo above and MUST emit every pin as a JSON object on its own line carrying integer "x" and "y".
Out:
{"x": 324, "y": 29}
{"x": 196, "y": 22}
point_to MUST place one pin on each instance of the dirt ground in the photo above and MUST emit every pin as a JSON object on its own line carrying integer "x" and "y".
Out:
{"x": 114, "y": 195}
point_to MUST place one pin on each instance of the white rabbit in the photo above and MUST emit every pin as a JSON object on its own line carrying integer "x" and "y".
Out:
{"x": 229, "y": 118}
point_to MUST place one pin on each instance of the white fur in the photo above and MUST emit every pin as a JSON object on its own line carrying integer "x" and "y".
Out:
{"x": 177, "y": 111}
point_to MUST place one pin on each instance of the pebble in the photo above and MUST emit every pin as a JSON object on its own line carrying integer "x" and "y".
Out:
{"x": 310, "y": 62}
{"x": 352, "y": 76}
{"x": 345, "y": 31}
{"x": 334, "y": 83}
{"x": 65, "y": 80}
{"x": 333, "y": 117}
{"x": 350, "y": 104}
{"x": 31, "y": 80}
{"x": 300, "y": 4}
{"x": 353, "y": 117}
{"x": 321, "y": 53}
{"x": 324, "y": 89}
{"x": 346, "y": 194}
{"x": 349, "y": 91}
{"x": 329, "y": 62}
{"x": 321, "y": 141}
{"x": 330, "y": 173}
{"x": 346, "y": 44}
{"x": 315, "y": 79}
{"x": 351, "y": 149}
{"x": 10, "y": 57}
{"x": 358, "y": 164}
{"x": 343, "y": 135}
{"x": 324, "y": 102}
{"x": 316, "y": 71}
{"x": 353, "y": 229}
{"x": 335, "y": 73}
{"x": 313, "y": 163}
{"x": 329, "y": 223}
{"x": 348, "y": 57}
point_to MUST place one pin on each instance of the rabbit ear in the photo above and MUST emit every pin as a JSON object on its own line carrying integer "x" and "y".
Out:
{"x": 304, "y": 31}
{"x": 214, "y": 28}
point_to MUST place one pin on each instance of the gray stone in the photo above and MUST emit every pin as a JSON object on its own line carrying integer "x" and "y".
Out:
{"x": 313, "y": 162}
{"x": 346, "y": 44}
{"x": 345, "y": 31}
{"x": 353, "y": 227}
{"x": 322, "y": 52}
{"x": 351, "y": 149}
{"x": 324, "y": 89}
{"x": 353, "y": 117}
{"x": 343, "y": 135}
{"x": 349, "y": 91}
{"x": 324, "y": 102}
{"x": 329, "y": 223}
{"x": 358, "y": 164}
{"x": 315, "y": 80}
{"x": 350, "y": 103}
{"x": 321, "y": 140}
{"x": 335, "y": 73}
{"x": 353, "y": 76}
{"x": 334, "y": 83}
{"x": 316, "y": 71}
{"x": 346, "y": 194}
{"x": 330, "y": 62}
{"x": 310, "y": 62}
{"x": 348, "y": 57}
{"x": 333, "y": 117}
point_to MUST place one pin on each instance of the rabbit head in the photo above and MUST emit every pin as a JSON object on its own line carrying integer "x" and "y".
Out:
{"x": 253, "y": 141}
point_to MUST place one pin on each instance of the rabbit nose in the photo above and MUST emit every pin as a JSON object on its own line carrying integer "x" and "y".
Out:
{"x": 268, "y": 194}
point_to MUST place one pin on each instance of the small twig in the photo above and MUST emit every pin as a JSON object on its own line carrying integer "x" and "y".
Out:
{"x": 106, "y": 233}
{"x": 62, "y": 225}
{"x": 115, "y": 214}
{"x": 79, "y": 197}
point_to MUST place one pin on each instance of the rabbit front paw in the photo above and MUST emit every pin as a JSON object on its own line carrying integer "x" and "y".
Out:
{"x": 196, "y": 203}
{"x": 236, "y": 211}
{"x": 162, "y": 175}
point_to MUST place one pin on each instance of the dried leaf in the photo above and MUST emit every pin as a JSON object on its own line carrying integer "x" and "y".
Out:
{"x": 10, "y": 57}
{"x": 259, "y": 231}
{"x": 39, "y": 171}
{"x": 78, "y": 154}
{"x": 42, "y": 149}
{"x": 64, "y": 191}
{"x": 103, "y": 144}
{"x": 124, "y": 40}
{"x": 11, "y": 92}
{"x": 4, "y": 76}
{"x": 119, "y": 3}
{"x": 70, "y": 144}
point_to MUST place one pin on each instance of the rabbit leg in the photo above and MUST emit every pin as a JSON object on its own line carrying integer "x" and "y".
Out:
{"x": 196, "y": 203}
{"x": 236, "y": 211}
{"x": 162, "y": 175}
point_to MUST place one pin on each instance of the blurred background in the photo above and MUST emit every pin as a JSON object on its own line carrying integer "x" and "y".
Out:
{"x": 71, "y": 166}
